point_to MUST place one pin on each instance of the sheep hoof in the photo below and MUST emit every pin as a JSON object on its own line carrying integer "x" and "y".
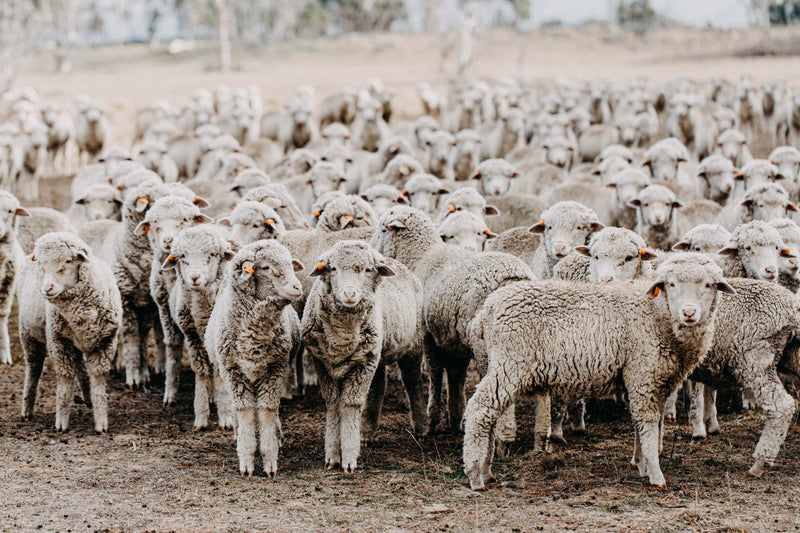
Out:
{"x": 271, "y": 474}
{"x": 700, "y": 436}
{"x": 26, "y": 418}
{"x": 660, "y": 488}
{"x": 331, "y": 465}
{"x": 101, "y": 431}
{"x": 757, "y": 469}
{"x": 477, "y": 486}
{"x": 199, "y": 428}
{"x": 349, "y": 469}
{"x": 130, "y": 386}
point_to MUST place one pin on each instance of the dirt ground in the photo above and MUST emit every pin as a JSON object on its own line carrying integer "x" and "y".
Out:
{"x": 153, "y": 473}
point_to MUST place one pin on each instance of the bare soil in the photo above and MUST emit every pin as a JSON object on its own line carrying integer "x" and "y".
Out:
{"x": 153, "y": 473}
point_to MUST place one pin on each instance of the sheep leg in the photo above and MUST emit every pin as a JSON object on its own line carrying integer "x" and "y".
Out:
{"x": 84, "y": 383}
{"x": 543, "y": 424}
{"x": 202, "y": 386}
{"x": 697, "y": 395}
{"x": 97, "y": 383}
{"x": 269, "y": 433}
{"x": 411, "y": 374}
{"x": 649, "y": 439}
{"x": 671, "y": 407}
{"x": 355, "y": 388}
{"x": 132, "y": 331}
{"x": 64, "y": 384}
{"x": 246, "y": 440}
{"x": 5, "y": 341}
{"x": 160, "y": 356}
{"x": 35, "y": 353}
{"x": 505, "y": 431}
{"x": 456, "y": 380}
{"x": 558, "y": 412}
{"x": 710, "y": 410}
{"x": 370, "y": 417}
{"x": 493, "y": 395}
{"x": 577, "y": 413}
{"x": 332, "y": 394}
{"x": 436, "y": 382}
{"x": 779, "y": 409}
{"x": 222, "y": 395}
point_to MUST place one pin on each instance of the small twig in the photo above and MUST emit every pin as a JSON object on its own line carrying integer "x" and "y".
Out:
{"x": 422, "y": 452}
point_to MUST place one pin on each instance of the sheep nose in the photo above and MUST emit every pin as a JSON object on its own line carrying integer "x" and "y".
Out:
{"x": 560, "y": 250}
{"x": 689, "y": 313}
{"x": 167, "y": 242}
{"x": 349, "y": 294}
{"x": 769, "y": 272}
{"x": 606, "y": 278}
{"x": 195, "y": 277}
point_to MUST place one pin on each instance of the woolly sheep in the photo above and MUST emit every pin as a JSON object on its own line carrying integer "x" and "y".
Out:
{"x": 424, "y": 192}
{"x": 251, "y": 335}
{"x": 716, "y": 176}
{"x": 466, "y": 155}
{"x": 645, "y": 352}
{"x": 764, "y": 201}
{"x": 439, "y": 148}
{"x": 627, "y": 185}
{"x": 518, "y": 242}
{"x": 346, "y": 211}
{"x": 396, "y": 173}
{"x": 465, "y": 199}
{"x": 563, "y": 226}
{"x": 733, "y": 145}
{"x": 70, "y": 309}
{"x": 200, "y": 255}
{"x": 319, "y": 205}
{"x": 276, "y": 196}
{"x": 494, "y": 177}
{"x": 787, "y": 159}
{"x": 382, "y": 197}
{"x": 465, "y": 230}
{"x": 11, "y": 261}
{"x": 790, "y": 235}
{"x": 364, "y": 312}
{"x": 758, "y": 251}
{"x": 92, "y": 132}
{"x": 613, "y": 254}
{"x": 253, "y": 221}
{"x": 162, "y": 223}
{"x": 154, "y": 155}
{"x": 455, "y": 284}
{"x": 100, "y": 201}
{"x": 516, "y": 209}
{"x": 759, "y": 171}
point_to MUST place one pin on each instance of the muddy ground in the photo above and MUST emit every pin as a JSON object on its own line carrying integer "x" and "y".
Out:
{"x": 152, "y": 472}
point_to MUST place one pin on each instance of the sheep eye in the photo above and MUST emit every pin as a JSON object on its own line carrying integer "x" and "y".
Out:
{"x": 370, "y": 270}
{"x": 256, "y": 226}
{"x": 265, "y": 267}
{"x": 458, "y": 209}
{"x": 671, "y": 284}
{"x": 549, "y": 227}
{"x": 708, "y": 285}
{"x": 186, "y": 219}
{"x": 747, "y": 248}
{"x": 629, "y": 259}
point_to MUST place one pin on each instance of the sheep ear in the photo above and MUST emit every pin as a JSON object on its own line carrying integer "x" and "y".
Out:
{"x": 142, "y": 228}
{"x": 739, "y": 176}
{"x": 583, "y": 250}
{"x": 787, "y": 253}
{"x": 402, "y": 200}
{"x": 595, "y": 227}
{"x": 385, "y": 270}
{"x": 224, "y": 222}
{"x": 491, "y": 211}
{"x": 490, "y": 235}
{"x": 677, "y": 204}
{"x": 443, "y": 191}
{"x": 396, "y": 224}
{"x": 169, "y": 263}
{"x": 22, "y": 212}
{"x": 635, "y": 202}
{"x": 655, "y": 288}
{"x": 201, "y": 202}
{"x": 681, "y": 246}
{"x": 537, "y": 228}
{"x": 682, "y": 159}
{"x": 81, "y": 201}
{"x": 647, "y": 255}
{"x": 297, "y": 265}
{"x": 596, "y": 172}
{"x": 514, "y": 174}
{"x": 247, "y": 271}
{"x": 142, "y": 204}
{"x": 228, "y": 255}
{"x": 723, "y": 286}
{"x": 364, "y": 197}
{"x": 611, "y": 185}
{"x": 477, "y": 175}
{"x": 203, "y": 219}
{"x": 730, "y": 250}
{"x": 318, "y": 270}
{"x": 791, "y": 207}
{"x": 82, "y": 256}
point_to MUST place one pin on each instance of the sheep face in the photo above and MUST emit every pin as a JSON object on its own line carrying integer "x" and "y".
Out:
{"x": 352, "y": 272}
{"x": 689, "y": 282}
{"x": 730, "y": 144}
{"x": 9, "y": 210}
{"x": 718, "y": 177}
{"x": 101, "y": 202}
{"x": 663, "y": 165}
{"x": 325, "y": 177}
{"x": 168, "y": 217}
{"x": 346, "y": 212}
{"x": 760, "y": 249}
{"x": 760, "y": 171}
{"x": 466, "y": 231}
{"x": 628, "y": 184}
{"x": 59, "y": 265}
{"x": 266, "y": 270}
{"x": 424, "y": 192}
{"x": 558, "y": 151}
{"x": 439, "y": 147}
{"x": 656, "y": 205}
{"x": 92, "y": 114}
{"x": 564, "y": 226}
{"x": 767, "y": 202}
{"x": 615, "y": 255}
{"x": 494, "y": 176}
{"x": 198, "y": 263}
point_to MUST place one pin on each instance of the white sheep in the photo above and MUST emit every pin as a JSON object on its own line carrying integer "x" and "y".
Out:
{"x": 764, "y": 201}
{"x": 253, "y": 221}
{"x": 382, "y": 197}
{"x": 11, "y": 260}
{"x": 251, "y": 336}
{"x": 465, "y": 230}
{"x": 424, "y": 192}
{"x": 70, "y": 309}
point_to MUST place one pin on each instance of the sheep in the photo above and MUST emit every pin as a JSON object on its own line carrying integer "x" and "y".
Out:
{"x": 505, "y": 135}
{"x": 760, "y": 171}
{"x": 70, "y": 309}
{"x": 11, "y": 261}
{"x": 465, "y": 199}
{"x": 733, "y": 145}
{"x": 382, "y": 197}
{"x": 466, "y": 155}
{"x": 627, "y": 185}
{"x": 439, "y": 149}
{"x": 251, "y": 335}
{"x": 593, "y": 141}
{"x": 364, "y": 312}
{"x": 704, "y": 238}
{"x": 369, "y": 128}
{"x": 99, "y": 202}
{"x": 756, "y": 251}
{"x": 41, "y": 220}
{"x": 465, "y": 230}
{"x": 248, "y": 179}
{"x": 652, "y": 354}
{"x": 60, "y": 129}
{"x": 318, "y": 207}
{"x": 297, "y": 127}
{"x": 200, "y": 255}
{"x": 787, "y": 159}
{"x": 494, "y": 177}
{"x": 659, "y": 222}
{"x": 764, "y": 201}
{"x": 615, "y": 150}
{"x": 28, "y": 161}
{"x": 276, "y": 196}
{"x": 324, "y": 177}
{"x": 613, "y": 254}
{"x": 92, "y": 132}
{"x": 455, "y": 284}
{"x": 563, "y": 226}
{"x": 154, "y": 155}
{"x": 339, "y": 107}
{"x": 663, "y": 159}
{"x": 716, "y": 176}
{"x": 164, "y": 219}
{"x": 516, "y": 210}
{"x": 424, "y": 192}
{"x": 346, "y": 211}
{"x": 336, "y": 134}
{"x": 253, "y": 221}
{"x": 790, "y": 235}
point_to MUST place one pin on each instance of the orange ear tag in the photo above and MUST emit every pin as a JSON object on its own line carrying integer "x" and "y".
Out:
{"x": 144, "y": 201}
{"x": 249, "y": 270}
{"x": 642, "y": 252}
{"x": 170, "y": 257}
{"x": 269, "y": 222}
{"x": 486, "y": 231}
{"x": 451, "y": 208}
{"x": 33, "y": 257}
{"x": 656, "y": 291}
{"x": 320, "y": 266}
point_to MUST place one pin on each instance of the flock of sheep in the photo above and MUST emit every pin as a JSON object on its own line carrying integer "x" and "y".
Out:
{"x": 575, "y": 240}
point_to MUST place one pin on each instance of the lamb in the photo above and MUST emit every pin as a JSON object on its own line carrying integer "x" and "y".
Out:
{"x": 563, "y": 226}
{"x": 11, "y": 259}
{"x": 733, "y": 145}
{"x": 70, "y": 309}
{"x": 92, "y": 132}
{"x": 99, "y": 202}
{"x": 163, "y": 221}
{"x": 790, "y": 235}
{"x": 346, "y": 211}
{"x": 336, "y": 134}
{"x": 716, "y": 176}
{"x": 760, "y": 171}
{"x": 505, "y": 135}
{"x": 494, "y": 177}
{"x": 200, "y": 255}
{"x": 756, "y": 251}
{"x": 60, "y": 129}
{"x": 652, "y": 354}
{"x": 658, "y": 221}
{"x": 251, "y": 335}
{"x": 253, "y": 221}
{"x": 466, "y": 155}
{"x": 276, "y": 196}
{"x": 439, "y": 149}
{"x": 615, "y": 150}
{"x": 455, "y": 284}
{"x": 382, "y": 197}
{"x": 465, "y": 199}
{"x": 424, "y": 192}
{"x": 318, "y": 207}
{"x": 787, "y": 159}
{"x": 154, "y": 155}
{"x": 465, "y": 230}
{"x": 704, "y": 238}
{"x": 627, "y": 185}
{"x": 764, "y": 201}
{"x": 364, "y": 312}
{"x": 663, "y": 159}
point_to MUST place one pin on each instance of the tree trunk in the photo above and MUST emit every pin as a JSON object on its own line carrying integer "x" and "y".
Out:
{"x": 224, "y": 35}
